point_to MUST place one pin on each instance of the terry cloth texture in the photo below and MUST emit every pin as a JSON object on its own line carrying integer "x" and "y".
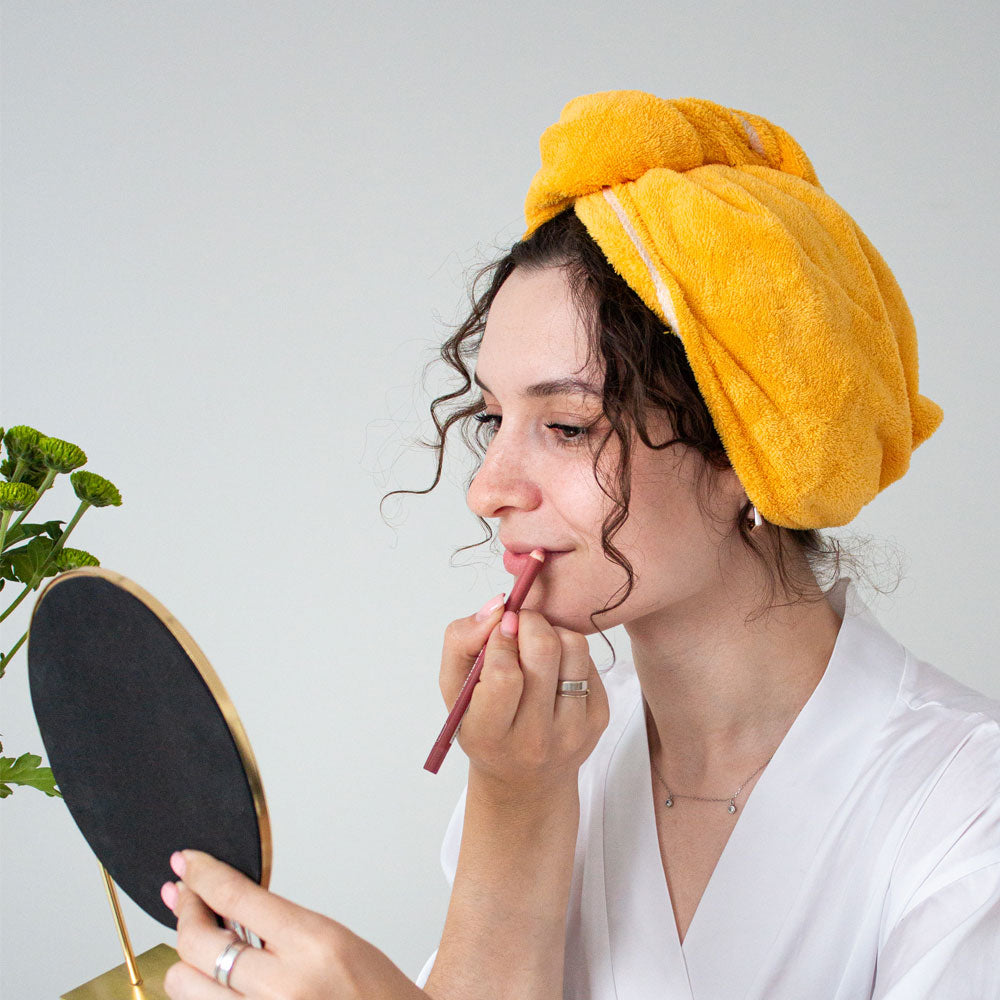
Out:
{"x": 797, "y": 333}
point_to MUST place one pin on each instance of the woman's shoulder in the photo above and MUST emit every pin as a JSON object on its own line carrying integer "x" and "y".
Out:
{"x": 924, "y": 719}
{"x": 926, "y": 688}
{"x": 940, "y": 757}
{"x": 936, "y": 709}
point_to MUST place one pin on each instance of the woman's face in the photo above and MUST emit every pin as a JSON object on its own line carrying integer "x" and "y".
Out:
{"x": 537, "y": 476}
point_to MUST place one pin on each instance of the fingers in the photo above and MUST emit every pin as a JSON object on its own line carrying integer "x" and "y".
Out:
{"x": 463, "y": 639}
{"x": 231, "y": 894}
{"x": 517, "y": 697}
{"x": 594, "y": 710}
{"x": 200, "y": 941}
{"x": 495, "y": 699}
{"x": 182, "y": 982}
{"x": 549, "y": 654}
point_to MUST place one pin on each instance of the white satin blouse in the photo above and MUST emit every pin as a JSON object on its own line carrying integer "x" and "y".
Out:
{"x": 864, "y": 864}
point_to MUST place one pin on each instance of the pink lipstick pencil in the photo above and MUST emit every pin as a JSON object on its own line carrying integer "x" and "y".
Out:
{"x": 450, "y": 729}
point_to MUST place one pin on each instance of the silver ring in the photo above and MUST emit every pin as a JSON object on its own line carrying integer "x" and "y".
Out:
{"x": 574, "y": 689}
{"x": 227, "y": 958}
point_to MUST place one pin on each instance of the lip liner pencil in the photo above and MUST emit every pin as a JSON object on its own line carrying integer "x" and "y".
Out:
{"x": 450, "y": 729}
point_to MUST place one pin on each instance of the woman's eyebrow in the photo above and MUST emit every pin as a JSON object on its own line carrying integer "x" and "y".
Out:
{"x": 554, "y": 387}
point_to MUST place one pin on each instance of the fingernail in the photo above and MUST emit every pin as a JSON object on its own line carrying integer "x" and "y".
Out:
{"x": 489, "y": 607}
{"x": 508, "y": 624}
{"x": 177, "y": 863}
{"x": 168, "y": 893}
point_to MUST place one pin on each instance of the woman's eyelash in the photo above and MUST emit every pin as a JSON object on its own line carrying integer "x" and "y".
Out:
{"x": 492, "y": 420}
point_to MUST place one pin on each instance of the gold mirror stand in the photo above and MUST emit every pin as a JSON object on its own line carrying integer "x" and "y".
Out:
{"x": 125, "y": 982}
{"x": 116, "y": 910}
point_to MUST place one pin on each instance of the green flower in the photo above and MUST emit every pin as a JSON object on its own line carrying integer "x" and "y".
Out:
{"x": 7, "y": 469}
{"x": 59, "y": 455}
{"x": 29, "y": 474}
{"x": 95, "y": 490}
{"x": 22, "y": 442}
{"x": 17, "y": 496}
{"x": 74, "y": 558}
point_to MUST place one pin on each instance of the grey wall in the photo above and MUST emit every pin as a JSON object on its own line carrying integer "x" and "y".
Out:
{"x": 234, "y": 233}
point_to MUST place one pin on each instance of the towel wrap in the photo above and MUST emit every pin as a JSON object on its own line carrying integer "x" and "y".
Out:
{"x": 797, "y": 333}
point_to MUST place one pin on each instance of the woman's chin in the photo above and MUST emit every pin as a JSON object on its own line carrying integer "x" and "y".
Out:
{"x": 575, "y": 619}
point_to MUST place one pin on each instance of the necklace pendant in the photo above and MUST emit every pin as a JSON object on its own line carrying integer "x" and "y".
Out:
{"x": 732, "y": 806}
{"x": 669, "y": 802}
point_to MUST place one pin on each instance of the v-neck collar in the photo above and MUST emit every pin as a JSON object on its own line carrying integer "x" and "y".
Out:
{"x": 773, "y": 843}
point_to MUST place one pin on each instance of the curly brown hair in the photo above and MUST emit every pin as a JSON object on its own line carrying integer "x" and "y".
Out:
{"x": 645, "y": 369}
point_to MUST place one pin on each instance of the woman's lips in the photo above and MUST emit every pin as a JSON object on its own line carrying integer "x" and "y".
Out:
{"x": 514, "y": 562}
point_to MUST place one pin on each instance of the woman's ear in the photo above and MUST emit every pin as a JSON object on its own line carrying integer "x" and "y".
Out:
{"x": 732, "y": 495}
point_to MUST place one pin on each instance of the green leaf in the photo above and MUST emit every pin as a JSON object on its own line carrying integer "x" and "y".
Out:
{"x": 30, "y": 558}
{"x": 24, "y": 530}
{"x": 25, "y": 770}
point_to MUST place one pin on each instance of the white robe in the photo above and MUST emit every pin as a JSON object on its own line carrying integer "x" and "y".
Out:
{"x": 865, "y": 863}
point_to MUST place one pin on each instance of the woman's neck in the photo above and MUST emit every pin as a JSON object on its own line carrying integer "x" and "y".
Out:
{"x": 720, "y": 694}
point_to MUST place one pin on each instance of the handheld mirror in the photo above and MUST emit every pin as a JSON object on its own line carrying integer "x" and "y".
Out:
{"x": 143, "y": 741}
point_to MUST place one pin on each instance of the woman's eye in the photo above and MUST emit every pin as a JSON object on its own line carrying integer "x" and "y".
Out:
{"x": 567, "y": 434}
{"x": 572, "y": 433}
{"x": 490, "y": 420}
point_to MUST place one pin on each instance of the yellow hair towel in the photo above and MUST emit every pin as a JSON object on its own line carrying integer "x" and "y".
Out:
{"x": 796, "y": 331}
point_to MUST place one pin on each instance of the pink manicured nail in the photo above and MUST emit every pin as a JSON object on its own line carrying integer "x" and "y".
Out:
{"x": 508, "y": 624}
{"x": 168, "y": 893}
{"x": 177, "y": 863}
{"x": 489, "y": 607}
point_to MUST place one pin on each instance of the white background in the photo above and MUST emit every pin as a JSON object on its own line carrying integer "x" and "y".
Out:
{"x": 234, "y": 234}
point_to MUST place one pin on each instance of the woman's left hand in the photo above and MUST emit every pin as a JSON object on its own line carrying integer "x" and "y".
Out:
{"x": 306, "y": 956}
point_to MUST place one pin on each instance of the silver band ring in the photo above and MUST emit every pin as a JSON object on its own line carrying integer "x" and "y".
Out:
{"x": 574, "y": 689}
{"x": 227, "y": 958}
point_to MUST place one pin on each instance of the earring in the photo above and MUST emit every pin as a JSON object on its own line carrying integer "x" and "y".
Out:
{"x": 755, "y": 517}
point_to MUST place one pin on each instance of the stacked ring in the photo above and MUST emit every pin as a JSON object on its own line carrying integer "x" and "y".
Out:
{"x": 227, "y": 958}
{"x": 574, "y": 689}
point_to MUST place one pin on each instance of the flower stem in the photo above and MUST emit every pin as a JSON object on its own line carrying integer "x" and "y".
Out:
{"x": 80, "y": 511}
{"x": 17, "y": 600}
{"x": 4, "y": 520}
{"x": 53, "y": 552}
{"x": 5, "y": 659}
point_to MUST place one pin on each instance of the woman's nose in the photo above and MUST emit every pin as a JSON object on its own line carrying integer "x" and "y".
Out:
{"x": 503, "y": 480}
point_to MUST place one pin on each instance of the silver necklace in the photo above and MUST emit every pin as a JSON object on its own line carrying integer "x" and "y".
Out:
{"x": 731, "y": 799}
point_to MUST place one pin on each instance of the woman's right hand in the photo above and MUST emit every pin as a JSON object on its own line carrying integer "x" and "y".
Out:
{"x": 522, "y": 738}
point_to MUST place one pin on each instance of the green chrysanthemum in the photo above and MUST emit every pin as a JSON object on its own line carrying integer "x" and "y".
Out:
{"x": 29, "y": 474}
{"x": 22, "y": 442}
{"x": 59, "y": 455}
{"x": 95, "y": 490}
{"x": 75, "y": 558}
{"x": 17, "y": 496}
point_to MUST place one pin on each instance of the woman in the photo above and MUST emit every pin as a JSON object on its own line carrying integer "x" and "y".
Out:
{"x": 692, "y": 362}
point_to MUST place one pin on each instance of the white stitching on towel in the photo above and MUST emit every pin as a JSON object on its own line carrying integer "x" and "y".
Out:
{"x": 662, "y": 292}
{"x": 755, "y": 144}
